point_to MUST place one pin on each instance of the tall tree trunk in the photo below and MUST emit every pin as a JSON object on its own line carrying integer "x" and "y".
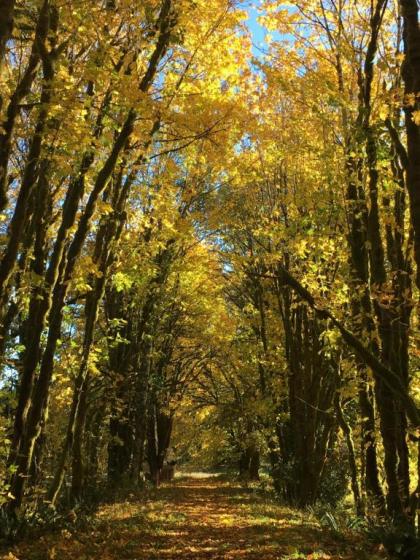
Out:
{"x": 77, "y": 479}
{"x": 22, "y": 88}
{"x": 158, "y": 439}
{"x": 108, "y": 234}
{"x": 347, "y": 431}
{"x": 6, "y": 27}
{"x": 41, "y": 389}
{"x": 411, "y": 76}
{"x": 30, "y": 173}
{"x": 368, "y": 444}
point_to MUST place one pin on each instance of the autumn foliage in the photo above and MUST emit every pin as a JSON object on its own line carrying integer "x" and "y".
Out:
{"x": 210, "y": 249}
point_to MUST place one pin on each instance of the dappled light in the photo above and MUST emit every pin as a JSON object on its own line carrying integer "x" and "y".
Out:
{"x": 209, "y": 279}
{"x": 201, "y": 518}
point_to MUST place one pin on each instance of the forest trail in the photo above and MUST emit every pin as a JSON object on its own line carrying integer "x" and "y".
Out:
{"x": 196, "y": 519}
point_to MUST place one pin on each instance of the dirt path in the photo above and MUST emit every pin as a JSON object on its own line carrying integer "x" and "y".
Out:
{"x": 195, "y": 519}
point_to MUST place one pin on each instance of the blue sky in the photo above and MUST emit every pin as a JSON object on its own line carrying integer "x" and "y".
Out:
{"x": 258, "y": 32}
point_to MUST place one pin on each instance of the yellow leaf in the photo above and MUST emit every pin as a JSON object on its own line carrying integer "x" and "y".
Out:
{"x": 416, "y": 117}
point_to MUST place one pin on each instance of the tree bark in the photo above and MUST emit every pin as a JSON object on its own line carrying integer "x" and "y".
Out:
{"x": 22, "y": 89}
{"x": 6, "y": 27}
{"x": 411, "y": 76}
{"x": 30, "y": 174}
{"x": 347, "y": 431}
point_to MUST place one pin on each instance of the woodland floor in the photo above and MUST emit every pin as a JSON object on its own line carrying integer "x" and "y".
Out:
{"x": 195, "y": 519}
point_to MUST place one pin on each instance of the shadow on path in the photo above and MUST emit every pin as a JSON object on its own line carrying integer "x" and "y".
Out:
{"x": 196, "y": 519}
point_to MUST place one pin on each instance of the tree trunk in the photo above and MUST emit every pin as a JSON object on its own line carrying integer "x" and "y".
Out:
{"x": 6, "y": 27}
{"x": 411, "y": 75}
{"x": 77, "y": 479}
{"x": 368, "y": 445}
{"x": 347, "y": 431}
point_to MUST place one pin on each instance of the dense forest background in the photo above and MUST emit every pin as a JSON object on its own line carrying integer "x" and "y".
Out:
{"x": 210, "y": 249}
